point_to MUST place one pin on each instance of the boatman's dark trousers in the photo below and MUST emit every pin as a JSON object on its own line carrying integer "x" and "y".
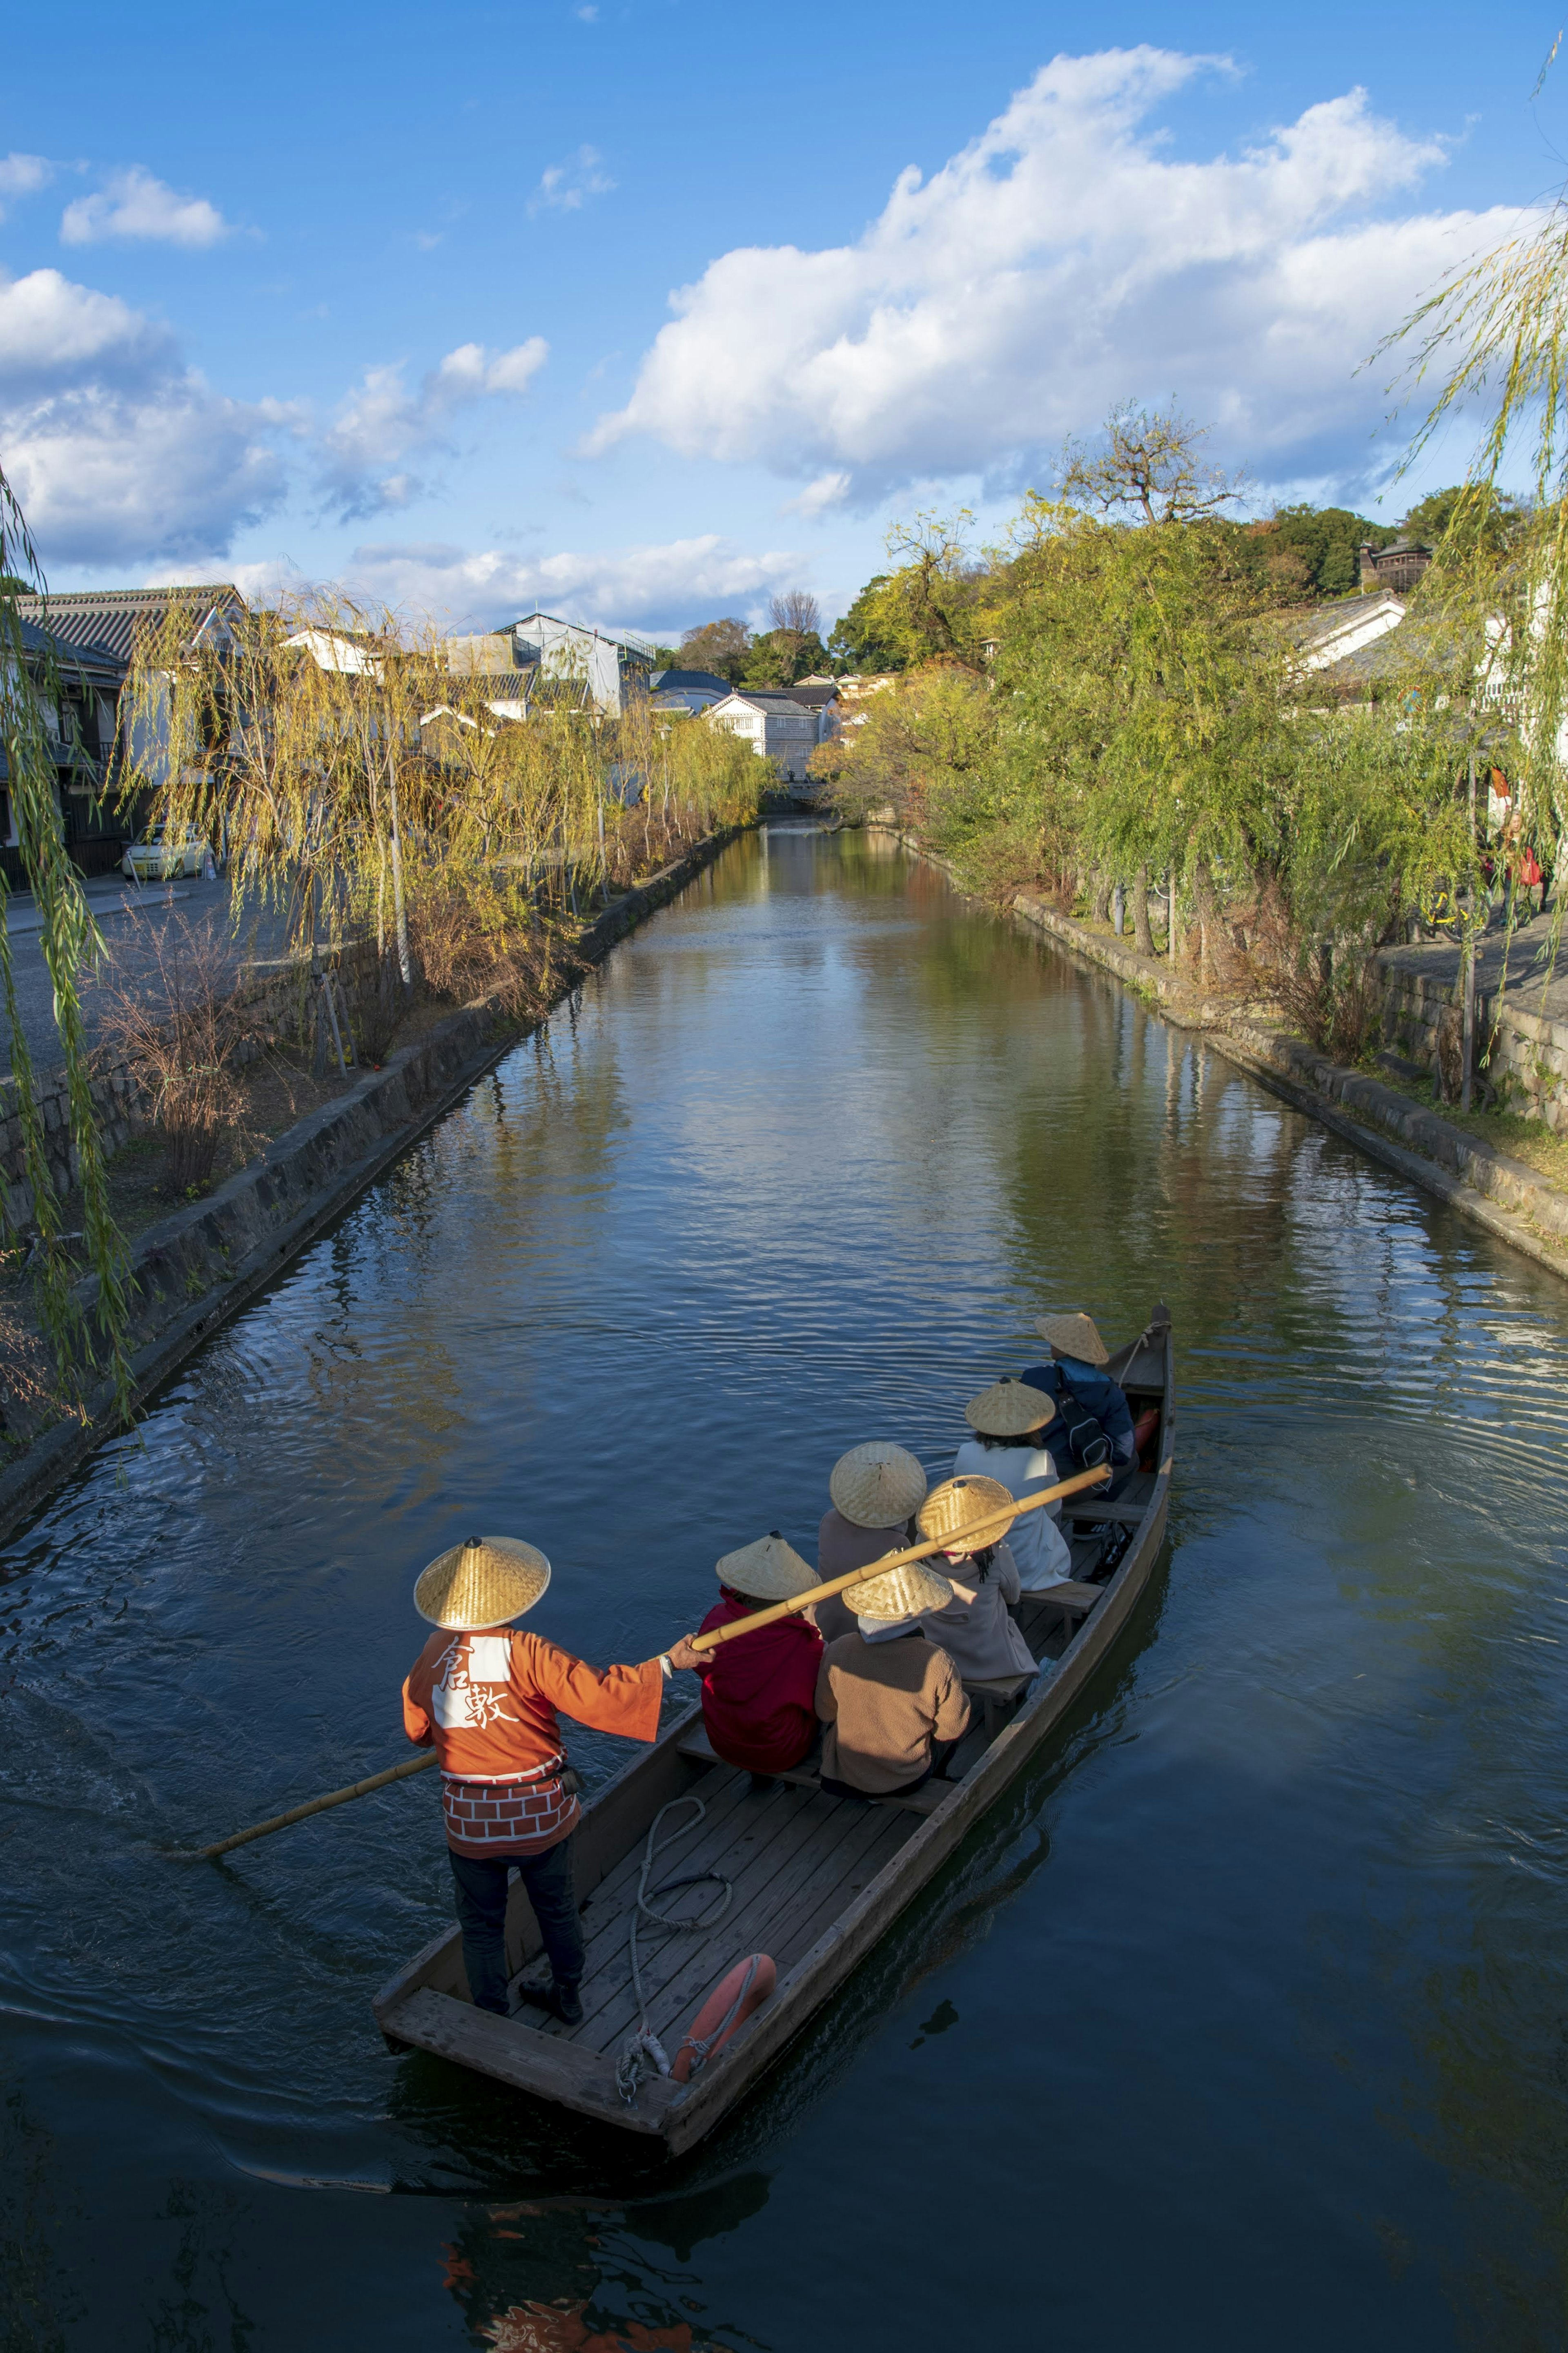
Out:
{"x": 481, "y": 1914}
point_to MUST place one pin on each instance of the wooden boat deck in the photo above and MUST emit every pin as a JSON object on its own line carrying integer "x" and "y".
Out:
{"x": 815, "y": 1878}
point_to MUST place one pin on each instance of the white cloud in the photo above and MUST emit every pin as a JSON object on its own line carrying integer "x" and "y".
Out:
{"x": 827, "y": 491}
{"x": 633, "y": 585}
{"x": 134, "y": 205}
{"x": 563, "y": 187}
{"x": 382, "y": 422}
{"x": 1064, "y": 261}
{"x": 22, "y": 176}
{"x": 119, "y": 452}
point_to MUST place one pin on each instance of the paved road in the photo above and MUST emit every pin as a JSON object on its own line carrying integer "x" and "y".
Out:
{"x": 1537, "y": 980}
{"x": 135, "y": 921}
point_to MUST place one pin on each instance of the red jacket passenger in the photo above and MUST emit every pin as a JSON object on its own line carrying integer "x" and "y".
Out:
{"x": 759, "y": 1691}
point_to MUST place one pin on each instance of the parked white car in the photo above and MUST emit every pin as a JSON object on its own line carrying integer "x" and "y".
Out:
{"x": 156, "y": 855}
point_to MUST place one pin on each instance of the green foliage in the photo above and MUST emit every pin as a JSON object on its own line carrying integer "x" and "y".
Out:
{"x": 780, "y": 657}
{"x": 1140, "y": 690}
{"x": 1145, "y": 711}
{"x": 1495, "y": 333}
{"x": 856, "y": 643}
{"x": 1325, "y": 543}
{"x": 1457, "y": 515}
{"x": 719, "y": 646}
{"x": 928, "y": 743}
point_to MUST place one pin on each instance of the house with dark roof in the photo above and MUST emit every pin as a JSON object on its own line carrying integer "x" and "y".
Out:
{"x": 1398, "y": 566}
{"x": 114, "y": 618}
{"x": 96, "y": 633}
{"x": 76, "y": 685}
{"x": 778, "y": 726}
{"x": 687, "y": 690}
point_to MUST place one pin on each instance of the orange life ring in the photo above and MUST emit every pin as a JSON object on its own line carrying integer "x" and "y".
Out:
{"x": 727, "y": 1994}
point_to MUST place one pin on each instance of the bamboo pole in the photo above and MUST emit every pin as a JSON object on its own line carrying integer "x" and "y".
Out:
{"x": 999, "y": 1520}
{"x": 312, "y": 1806}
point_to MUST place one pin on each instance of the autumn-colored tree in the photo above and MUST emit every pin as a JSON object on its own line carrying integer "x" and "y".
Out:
{"x": 717, "y": 646}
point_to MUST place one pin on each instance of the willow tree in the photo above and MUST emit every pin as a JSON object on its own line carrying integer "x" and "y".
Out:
{"x": 366, "y": 782}
{"x": 70, "y": 942}
{"x": 1493, "y": 337}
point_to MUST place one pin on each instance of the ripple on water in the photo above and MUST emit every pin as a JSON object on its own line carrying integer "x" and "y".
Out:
{"x": 1261, "y": 1963}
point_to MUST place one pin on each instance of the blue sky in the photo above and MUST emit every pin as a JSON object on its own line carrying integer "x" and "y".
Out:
{"x": 647, "y": 310}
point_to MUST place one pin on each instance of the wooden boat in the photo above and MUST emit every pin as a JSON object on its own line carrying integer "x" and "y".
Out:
{"x": 817, "y": 1880}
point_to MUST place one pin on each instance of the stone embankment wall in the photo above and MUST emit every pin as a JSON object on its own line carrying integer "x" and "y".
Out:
{"x": 275, "y": 996}
{"x": 1528, "y": 1061}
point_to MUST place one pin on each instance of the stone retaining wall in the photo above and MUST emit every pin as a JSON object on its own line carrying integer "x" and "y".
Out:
{"x": 1529, "y": 1055}
{"x": 276, "y": 994}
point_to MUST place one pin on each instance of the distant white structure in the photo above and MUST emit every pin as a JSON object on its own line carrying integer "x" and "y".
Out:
{"x": 613, "y": 666}
{"x": 1351, "y": 626}
{"x": 334, "y": 650}
{"x": 779, "y": 728}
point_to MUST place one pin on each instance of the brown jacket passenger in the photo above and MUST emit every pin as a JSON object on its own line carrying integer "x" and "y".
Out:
{"x": 884, "y": 1704}
{"x": 841, "y": 1547}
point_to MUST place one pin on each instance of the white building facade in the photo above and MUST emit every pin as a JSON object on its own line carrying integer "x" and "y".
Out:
{"x": 778, "y": 728}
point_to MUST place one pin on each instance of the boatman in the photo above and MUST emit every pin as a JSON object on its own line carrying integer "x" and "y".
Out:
{"x": 484, "y": 1696}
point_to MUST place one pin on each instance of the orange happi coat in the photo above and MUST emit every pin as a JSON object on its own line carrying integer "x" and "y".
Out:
{"x": 487, "y": 1703}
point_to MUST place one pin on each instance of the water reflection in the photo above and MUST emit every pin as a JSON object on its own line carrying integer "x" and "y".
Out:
{"x": 1258, "y": 1967}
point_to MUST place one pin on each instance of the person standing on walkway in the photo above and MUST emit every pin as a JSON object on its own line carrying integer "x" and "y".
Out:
{"x": 877, "y": 1489}
{"x": 484, "y": 1696}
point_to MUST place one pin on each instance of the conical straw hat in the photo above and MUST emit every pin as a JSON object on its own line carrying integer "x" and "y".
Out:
{"x": 961, "y": 1504}
{"x": 1009, "y": 1410}
{"x": 877, "y": 1485}
{"x": 899, "y": 1592}
{"x": 1075, "y": 1335}
{"x": 486, "y": 1581}
{"x": 768, "y": 1570}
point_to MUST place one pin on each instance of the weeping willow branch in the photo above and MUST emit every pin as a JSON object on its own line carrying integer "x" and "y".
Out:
{"x": 69, "y": 942}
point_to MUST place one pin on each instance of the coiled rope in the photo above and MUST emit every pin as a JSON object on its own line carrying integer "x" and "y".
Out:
{"x": 643, "y": 2053}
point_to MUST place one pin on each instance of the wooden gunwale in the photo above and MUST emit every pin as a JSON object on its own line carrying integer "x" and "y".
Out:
{"x": 425, "y": 2002}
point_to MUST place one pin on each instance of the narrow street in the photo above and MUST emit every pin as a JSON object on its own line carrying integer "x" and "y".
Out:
{"x": 135, "y": 920}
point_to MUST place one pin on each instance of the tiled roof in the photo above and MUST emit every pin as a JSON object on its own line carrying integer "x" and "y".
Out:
{"x": 763, "y": 699}
{"x": 84, "y": 659}
{"x": 1318, "y": 622}
{"x": 109, "y": 619}
{"x": 673, "y": 682}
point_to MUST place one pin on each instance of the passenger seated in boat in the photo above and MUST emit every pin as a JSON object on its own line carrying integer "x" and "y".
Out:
{"x": 484, "y": 1697}
{"x": 973, "y": 1628}
{"x": 759, "y": 1691}
{"x": 1085, "y": 1395}
{"x": 892, "y": 1700}
{"x": 876, "y": 1489}
{"x": 1009, "y": 1421}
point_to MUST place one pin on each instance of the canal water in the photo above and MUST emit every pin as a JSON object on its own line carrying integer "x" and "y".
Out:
{"x": 1242, "y": 2019}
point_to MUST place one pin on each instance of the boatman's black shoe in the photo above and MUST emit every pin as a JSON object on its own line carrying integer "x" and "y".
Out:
{"x": 567, "y": 2003}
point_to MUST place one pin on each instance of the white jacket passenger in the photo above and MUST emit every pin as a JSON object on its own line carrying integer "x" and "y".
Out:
{"x": 1038, "y": 1544}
